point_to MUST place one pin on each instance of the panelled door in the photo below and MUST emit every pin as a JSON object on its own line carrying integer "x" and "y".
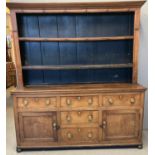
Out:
{"x": 38, "y": 126}
{"x": 120, "y": 124}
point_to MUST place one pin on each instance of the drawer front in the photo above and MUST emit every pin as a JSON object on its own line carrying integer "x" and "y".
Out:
{"x": 36, "y": 102}
{"x": 121, "y": 100}
{"x": 79, "y": 117}
{"x": 74, "y": 135}
{"x": 79, "y": 101}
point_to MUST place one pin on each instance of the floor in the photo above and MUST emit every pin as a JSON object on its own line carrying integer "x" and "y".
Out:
{"x": 11, "y": 142}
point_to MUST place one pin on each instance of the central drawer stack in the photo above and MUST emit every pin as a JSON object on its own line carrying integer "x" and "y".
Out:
{"x": 78, "y": 124}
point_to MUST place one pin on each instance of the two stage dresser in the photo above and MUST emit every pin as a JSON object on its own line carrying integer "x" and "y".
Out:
{"x": 76, "y": 68}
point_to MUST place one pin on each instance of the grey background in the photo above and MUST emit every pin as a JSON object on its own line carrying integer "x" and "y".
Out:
{"x": 143, "y": 50}
{"x": 143, "y": 58}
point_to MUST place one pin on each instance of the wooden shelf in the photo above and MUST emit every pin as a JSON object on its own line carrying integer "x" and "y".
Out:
{"x": 77, "y": 39}
{"x": 72, "y": 67}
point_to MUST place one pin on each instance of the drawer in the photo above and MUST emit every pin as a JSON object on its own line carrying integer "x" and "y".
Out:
{"x": 36, "y": 102}
{"x": 74, "y": 135}
{"x": 79, "y": 117}
{"x": 79, "y": 101}
{"x": 121, "y": 100}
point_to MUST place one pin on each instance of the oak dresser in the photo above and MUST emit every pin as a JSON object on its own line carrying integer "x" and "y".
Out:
{"x": 76, "y": 68}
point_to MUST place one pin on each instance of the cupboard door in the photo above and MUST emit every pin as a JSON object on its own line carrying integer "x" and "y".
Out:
{"x": 120, "y": 124}
{"x": 38, "y": 126}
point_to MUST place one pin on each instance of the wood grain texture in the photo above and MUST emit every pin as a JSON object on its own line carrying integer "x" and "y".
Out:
{"x": 114, "y": 124}
{"x": 128, "y": 4}
{"x": 37, "y": 126}
{"x": 136, "y": 45}
{"x": 80, "y": 88}
{"x": 18, "y": 65}
{"x": 79, "y": 135}
{"x": 75, "y": 10}
{"x": 79, "y": 101}
{"x": 34, "y": 103}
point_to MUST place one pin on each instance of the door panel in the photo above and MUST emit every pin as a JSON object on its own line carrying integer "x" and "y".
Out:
{"x": 120, "y": 124}
{"x": 37, "y": 126}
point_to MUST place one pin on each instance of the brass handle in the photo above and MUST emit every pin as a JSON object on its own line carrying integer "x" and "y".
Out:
{"x": 47, "y": 102}
{"x": 68, "y": 118}
{"x": 68, "y": 102}
{"x": 110, "y": 101}
{"x": 132, "y": 100}
{"x": 55, "y": 126}
{"x": 90, "y": 101}
{"x": 25, "y": 102}
{"x": 79, "y": 129}
{"x": 104, "y": 123}
{"x": 79, "y": 98}
{"x": 90, "y": 135}
{"x": 90, "y": 118}
{"x": 69, "y": 135}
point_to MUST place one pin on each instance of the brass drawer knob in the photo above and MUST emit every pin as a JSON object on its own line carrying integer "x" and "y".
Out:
{"x": 120, "y": 97}
{"x": 68, "y": 102}
{"x": 90, "y": 135}
{"x": 90, "y": 101}
{"x": 26, "y": 102}
{"x": 47, "y": 102}
{"x": 104, "y": 122}
{"x": 79, "y": 130}
{"x": 79, "y": 113}
{"x": 90, "y": 118}
{"x": 110, "y": 101}
{"x": 132, "y": 100}
{"x": 69, "y": 135}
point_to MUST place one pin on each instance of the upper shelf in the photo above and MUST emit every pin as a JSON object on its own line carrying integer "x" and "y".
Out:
{"x": 70, "y": 67}
{"x": 76, "y": 39}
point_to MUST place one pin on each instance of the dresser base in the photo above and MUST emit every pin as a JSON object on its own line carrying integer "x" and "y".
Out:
{"x": 96, "y": 116}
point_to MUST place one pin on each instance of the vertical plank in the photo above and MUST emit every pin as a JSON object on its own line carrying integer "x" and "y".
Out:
{"x": 18, "y": 65}
{"x": 136, "y": 45}
{"x": 59, "y": 118}
{"x": 141, "y": 115}
{"x": 104, "y": 118}
{"x": 16, "y": 120}
{"x": 48, "y": 26}
{"x": 101, "y": 134}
